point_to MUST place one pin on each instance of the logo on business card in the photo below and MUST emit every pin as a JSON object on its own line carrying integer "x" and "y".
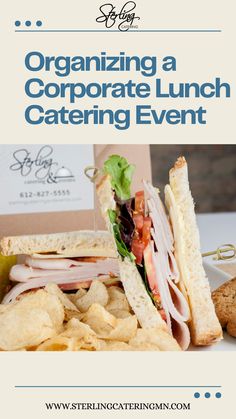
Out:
{"x": 41, "y": 167}
{"x": 123, "y": 19}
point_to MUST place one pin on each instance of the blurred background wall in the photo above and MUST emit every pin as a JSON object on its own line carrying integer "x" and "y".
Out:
{"x": 212, "y": 173}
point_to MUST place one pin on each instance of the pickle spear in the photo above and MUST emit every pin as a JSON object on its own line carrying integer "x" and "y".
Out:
{"x": 6, "y": 262}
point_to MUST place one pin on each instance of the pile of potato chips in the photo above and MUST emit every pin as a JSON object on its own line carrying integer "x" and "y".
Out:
{"x": 99, "y": 319}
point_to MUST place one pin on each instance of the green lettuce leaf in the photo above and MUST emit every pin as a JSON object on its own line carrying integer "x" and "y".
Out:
{"x": 121, "y": 173}
{"x": 121, "y": 247}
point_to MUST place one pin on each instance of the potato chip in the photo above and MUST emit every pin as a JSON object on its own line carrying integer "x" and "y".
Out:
{"x": 55, "y": 290}
{"x": 120, "y": 314}
{"x": 124, "y": 330}
{"x": 21, "y": 328}
{"x": 115, "y": 292}
{"x": 70, "y": 314}
{"x": 157, "y": 337}
{"x": 91, "y": 343}
{"x": 99, "y": 319}
{"x": 122, "y": 346}
{"x": 48, "y": 302}
{"x": 30, "y": 348}
{"x": 118, "y": 304}
{"x": 116, "y": 346}
{"x": 75, "y": 328}
{"x": 35, "y": 317}
{"x": 97, "y": 293}
{"x": 76, "y": 336}
{"x": 144, "y": 347}
{"x": 58, "y": 343}
{"x": 117, "y": 299}
{"x": 80, "y": 293}
{"x": 3, "y": 307}
{"x": 72, "y": 297}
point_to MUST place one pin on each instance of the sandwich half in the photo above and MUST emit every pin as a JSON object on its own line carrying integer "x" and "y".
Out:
{"x": 204, "y": 325}
{"x": 163, "y": 279}
{"x": 70, "y": 260}
{"x": 75, "y": 260}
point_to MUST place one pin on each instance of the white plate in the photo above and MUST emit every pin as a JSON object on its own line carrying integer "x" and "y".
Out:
{"x": 216, "y": 278}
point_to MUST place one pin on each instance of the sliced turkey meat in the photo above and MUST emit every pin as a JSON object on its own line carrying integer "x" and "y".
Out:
{"x": 42, "y": 282}
{"x": 83, "y": 270}
{"x": 68, "y": 274}
{"x": 60, "y": 264}
{"x": 167, "y": 275}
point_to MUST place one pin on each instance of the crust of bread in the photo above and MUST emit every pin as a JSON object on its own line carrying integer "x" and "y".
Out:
{"x": 204, "y": 325}
{"x": 135, "y": 291}
{"x": 72, "y": 244}
{"x": 137, "y": 296}
{"x": 180, "y": 162}
{"x": 106, "y": 198}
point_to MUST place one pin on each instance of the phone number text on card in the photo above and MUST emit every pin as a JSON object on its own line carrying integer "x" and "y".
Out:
{"x": 45, "y": 194}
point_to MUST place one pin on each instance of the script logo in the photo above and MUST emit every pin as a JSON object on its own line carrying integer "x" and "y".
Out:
{"x": 125, "y": 17}
{"x": 42, "y": 166}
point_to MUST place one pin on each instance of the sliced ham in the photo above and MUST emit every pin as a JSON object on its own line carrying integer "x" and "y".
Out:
{"x": 167, "y": 275}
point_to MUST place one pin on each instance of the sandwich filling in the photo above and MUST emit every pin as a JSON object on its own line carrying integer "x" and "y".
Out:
{"x": 67, "y": 273}
{"x": 143, "y": 233}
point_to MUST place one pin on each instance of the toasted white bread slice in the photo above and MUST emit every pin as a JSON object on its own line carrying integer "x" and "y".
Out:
{"x": 72, "y": 244}
{"x": 147, "y": 315}
{"x": 137, "y": 296}
{"x": 204, "y": 325}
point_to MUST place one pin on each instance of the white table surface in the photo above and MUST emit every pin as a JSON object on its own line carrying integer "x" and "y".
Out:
{"x": 216, "y": 229}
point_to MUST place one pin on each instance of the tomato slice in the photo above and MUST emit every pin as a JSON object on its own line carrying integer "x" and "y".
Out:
{"x": 163, "y": 314}
{"x": 150, "y": 269}
{"x": 139, "y": 202}
{"x": 138, "y": 221}
{"x": 137, "y": 248}
{"x": 146, "y": 231}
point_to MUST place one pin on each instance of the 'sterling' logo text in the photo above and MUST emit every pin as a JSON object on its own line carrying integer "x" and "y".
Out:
{"x": 125, "y": 17}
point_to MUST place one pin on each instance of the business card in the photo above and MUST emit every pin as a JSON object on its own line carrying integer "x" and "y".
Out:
{"x": 45, "y": 178}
